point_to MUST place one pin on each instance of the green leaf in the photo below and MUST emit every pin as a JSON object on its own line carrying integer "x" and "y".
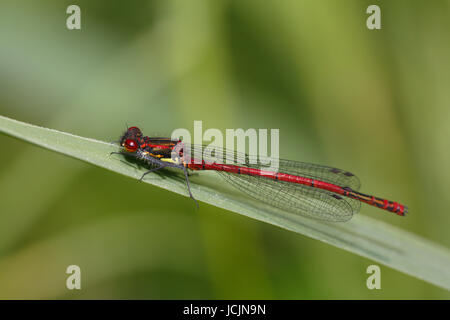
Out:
{"x": 362, "y": 235}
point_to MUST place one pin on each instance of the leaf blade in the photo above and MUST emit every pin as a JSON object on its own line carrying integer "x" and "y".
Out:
{"x": 362, "y": 235}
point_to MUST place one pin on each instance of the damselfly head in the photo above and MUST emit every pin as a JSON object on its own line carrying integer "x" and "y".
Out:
{"x": 133, "y": 133}
{"x": 130, "y": 145}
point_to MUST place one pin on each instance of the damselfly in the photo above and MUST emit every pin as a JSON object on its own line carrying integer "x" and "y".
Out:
{"x": 316, "y": 191}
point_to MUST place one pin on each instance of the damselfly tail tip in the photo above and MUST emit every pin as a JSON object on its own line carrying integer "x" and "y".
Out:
{"x": 405, "y": 210}
{"x": 402, "y": 210}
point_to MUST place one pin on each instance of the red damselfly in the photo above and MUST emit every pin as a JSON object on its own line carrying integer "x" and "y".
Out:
{"x": 316, "y": 191}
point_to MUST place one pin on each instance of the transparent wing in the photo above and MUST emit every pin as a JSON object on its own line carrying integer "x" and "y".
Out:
{"x": 299, "y": 199}
{"x": 294, "y": 198}
{"x": 324, "y": 173}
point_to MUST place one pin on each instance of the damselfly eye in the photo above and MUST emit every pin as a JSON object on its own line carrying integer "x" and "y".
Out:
{"x": 130, "y": 145}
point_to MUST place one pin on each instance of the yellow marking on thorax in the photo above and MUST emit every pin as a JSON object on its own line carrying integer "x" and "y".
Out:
{"x": 170, "y": 160}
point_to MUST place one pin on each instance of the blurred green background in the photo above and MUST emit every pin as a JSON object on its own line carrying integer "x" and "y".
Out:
{"x": 376, "y": 103}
